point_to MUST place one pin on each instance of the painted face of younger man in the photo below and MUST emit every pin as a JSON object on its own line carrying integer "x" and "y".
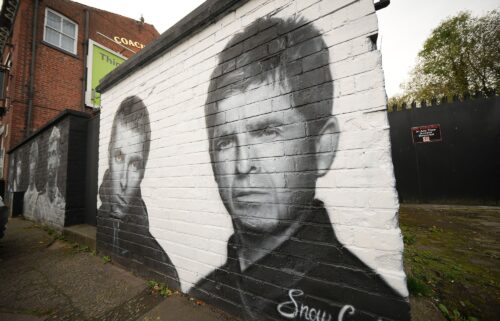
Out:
{"x": 126, "y": 166}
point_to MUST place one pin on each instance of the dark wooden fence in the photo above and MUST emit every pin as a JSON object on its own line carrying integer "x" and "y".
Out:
{"x": 456, "y": 162}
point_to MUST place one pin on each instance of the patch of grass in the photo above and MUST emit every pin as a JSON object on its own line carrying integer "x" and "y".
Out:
{"x": 54, "y": 233}
{"x": 417, "y": 287}
{"x": 454, "y": 315}
{"x": 409, "y": 238}
{"x": 106, "y": 259}
{"x": 159, "y": 288}
{"x": 439, "y": 265}
{"x": 82, "y": 248}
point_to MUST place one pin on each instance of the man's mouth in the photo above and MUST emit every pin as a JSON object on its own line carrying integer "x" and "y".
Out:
{"x": 251, "y": 196}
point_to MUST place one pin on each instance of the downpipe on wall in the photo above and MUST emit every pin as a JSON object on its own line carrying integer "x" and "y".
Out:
{"x": 85, "y": 53}
{"x": 31, "y": 89}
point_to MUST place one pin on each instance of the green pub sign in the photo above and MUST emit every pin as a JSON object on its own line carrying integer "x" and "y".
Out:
{"x": 100, "y": 62}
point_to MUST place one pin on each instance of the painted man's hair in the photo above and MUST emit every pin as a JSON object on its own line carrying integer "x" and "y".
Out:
{"x": 55, "y": 137}
{"x": 289, "y": 52}
{"x": 133, "y": 114}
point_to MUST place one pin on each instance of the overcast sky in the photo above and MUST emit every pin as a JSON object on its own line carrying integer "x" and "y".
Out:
{"x": 404, "y": 25}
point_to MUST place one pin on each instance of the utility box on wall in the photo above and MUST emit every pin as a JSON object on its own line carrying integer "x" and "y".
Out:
{"x": 48, "y": 169}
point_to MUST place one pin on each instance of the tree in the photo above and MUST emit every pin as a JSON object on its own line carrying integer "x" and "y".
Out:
{"x": 462, "y": 55}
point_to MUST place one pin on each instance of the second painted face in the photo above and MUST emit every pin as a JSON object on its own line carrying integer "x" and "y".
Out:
{"x": 259, "y": 153}
{"x": 32, "y": 165}
{"x": 53, "y": 162}
{"x": 126, "y": 165}
{"x": 19, "y": 171}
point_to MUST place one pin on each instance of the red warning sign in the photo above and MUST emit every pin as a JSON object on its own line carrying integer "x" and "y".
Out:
{"x": 426, "y": 134}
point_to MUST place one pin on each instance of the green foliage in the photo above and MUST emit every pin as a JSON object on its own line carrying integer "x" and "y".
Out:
{"x": 454, "y": 315}
{"x": 106, "y": 259}
{"x": 159, "y": 288}
{"x": 460, "y": 56}
{"x": 417, "y": 287}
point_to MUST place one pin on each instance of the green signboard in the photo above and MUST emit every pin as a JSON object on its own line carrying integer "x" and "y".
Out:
{"x": 100, "y": 62}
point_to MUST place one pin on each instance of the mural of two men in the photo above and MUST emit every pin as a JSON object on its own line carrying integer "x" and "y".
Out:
{"x": 271, "y": 136}
{"x": 46, "y": 205}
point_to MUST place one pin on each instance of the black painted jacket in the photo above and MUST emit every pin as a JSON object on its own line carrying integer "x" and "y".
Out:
{"x": 129, "y": 241}
{"x": 311, "y": 276}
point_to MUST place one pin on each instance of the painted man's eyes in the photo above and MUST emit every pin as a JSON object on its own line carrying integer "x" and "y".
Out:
{"x": 119, "y": 158}
{"x": 224, "y": 143}
{"x": 135, "y": 164}
{"x": 269, "y": 132}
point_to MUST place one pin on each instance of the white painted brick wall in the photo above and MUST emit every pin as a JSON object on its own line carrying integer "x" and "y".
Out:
{"x": 185, "y": 211}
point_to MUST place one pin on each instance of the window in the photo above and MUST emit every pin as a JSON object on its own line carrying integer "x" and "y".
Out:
{"x": 60, "y": 31}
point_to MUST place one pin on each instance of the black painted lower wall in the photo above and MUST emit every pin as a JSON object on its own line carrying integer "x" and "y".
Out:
{"x": 49, "y": 170}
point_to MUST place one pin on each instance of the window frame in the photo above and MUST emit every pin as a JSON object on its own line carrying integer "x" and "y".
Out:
{"x": 60, "y": 32}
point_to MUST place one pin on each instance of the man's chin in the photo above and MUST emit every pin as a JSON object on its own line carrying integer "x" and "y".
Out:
{"x": 117, "y": 212}
{"x": 255, "y": 225}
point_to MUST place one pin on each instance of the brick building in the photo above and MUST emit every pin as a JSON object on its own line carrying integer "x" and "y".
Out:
{"x": 34, "y": 89}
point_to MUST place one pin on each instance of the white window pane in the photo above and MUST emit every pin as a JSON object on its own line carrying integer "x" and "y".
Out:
{"x": 53, "y": 20}
{"x": 67, "y": 43}
{"x": 52, "y": 36}
{"x": 69, "y": 28}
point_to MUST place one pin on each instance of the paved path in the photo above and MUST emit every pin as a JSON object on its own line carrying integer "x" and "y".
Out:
{"x": 43, "y": 278}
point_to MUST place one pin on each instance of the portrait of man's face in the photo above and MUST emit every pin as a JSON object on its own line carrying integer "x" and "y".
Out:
{"x": 254, "y": 165}
{"x": 19, "y": 171}
{"x": 126, "y": 165}
{"x": 53, "y": 161}
{"x": 32, "y": 165}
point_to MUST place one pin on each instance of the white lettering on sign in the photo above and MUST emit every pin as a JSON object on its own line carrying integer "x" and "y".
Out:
{"x": 293, "y": 309}
{"x": 128, "y": 42}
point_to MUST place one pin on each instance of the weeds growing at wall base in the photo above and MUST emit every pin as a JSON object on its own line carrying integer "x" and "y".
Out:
{"x": 159, "y": 288}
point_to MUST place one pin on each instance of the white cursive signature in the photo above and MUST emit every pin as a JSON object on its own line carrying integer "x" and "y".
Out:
{"x": 293, "y": 309}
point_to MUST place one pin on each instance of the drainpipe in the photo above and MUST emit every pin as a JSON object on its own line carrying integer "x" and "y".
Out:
{"x": 31, "y": 89}
{"x": 85, "y": 56}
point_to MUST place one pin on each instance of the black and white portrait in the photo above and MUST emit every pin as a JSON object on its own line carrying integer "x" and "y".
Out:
{"x": 31, "y": 194}
{"x": 51, "y": 203}
{"x": 18, "y": 174}
{"x": 123, "y": 217}
{"x": 12, "y": 169}
{"x": 271, "y": 136}
{"x": 15, "y": 172}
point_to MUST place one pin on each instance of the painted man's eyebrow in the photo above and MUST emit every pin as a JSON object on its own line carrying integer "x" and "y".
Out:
{"x": 136, "y": 157}
{"x": 264, "y": 122}
{"x": 224, "y": 130}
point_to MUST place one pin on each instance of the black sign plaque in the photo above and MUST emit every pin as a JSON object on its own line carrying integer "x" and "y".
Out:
{"x": 426, "y": 134}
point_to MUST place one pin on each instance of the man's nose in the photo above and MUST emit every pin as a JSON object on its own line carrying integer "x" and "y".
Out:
{"x": 124, "y": 178}
{"x": 244, "y": 164}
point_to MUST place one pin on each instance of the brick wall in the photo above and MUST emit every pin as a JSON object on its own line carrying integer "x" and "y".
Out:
{"x": 262, "y": 190}
{"x": 58, "y": 75}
